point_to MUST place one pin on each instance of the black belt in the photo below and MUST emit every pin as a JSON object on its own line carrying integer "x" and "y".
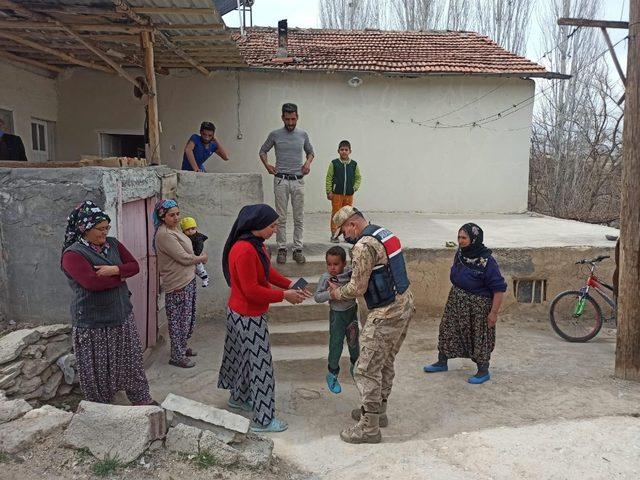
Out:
{"x": 288, "y": 176}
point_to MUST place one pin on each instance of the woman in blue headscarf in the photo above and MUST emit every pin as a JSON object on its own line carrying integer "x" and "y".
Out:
{"x": 176, "y": 265}
{"x": 468, "y": 326}
{"x": 247, "y": 367}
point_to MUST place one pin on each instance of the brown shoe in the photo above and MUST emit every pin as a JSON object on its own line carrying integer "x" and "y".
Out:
{"x": 183, "y": 363}
{"x": 356, "y": 413}
{"x": 191, "y": 352}
{"x": 367, "y": 430}
{"x": 298, "y": 256}
{"x": 282, "y": 256}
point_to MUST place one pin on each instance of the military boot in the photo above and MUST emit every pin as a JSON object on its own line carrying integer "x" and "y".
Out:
{"x": 367, "y": 430}
{"x": 384, "y": 420}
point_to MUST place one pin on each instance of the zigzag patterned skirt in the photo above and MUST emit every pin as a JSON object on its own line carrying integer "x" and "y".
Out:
{"x": 247, "y": 367}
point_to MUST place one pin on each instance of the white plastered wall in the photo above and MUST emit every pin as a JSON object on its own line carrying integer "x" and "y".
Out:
{"x": 405, "y": 167}
{"x": 28, "y": 95}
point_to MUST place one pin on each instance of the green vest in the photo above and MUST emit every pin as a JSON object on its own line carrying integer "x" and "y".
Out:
{"x": 344, "y": 176}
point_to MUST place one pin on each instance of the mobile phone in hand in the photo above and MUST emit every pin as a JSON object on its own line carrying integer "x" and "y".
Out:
{"x": 300, "y": 284}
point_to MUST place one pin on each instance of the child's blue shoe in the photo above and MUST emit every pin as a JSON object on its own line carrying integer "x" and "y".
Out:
{"x": 435, "y": 367}
{"x": 274, "y": 426}
{"x": 333, "y": 383}
{"x": 475, "y": 380}
{"x": 246, "y": 406}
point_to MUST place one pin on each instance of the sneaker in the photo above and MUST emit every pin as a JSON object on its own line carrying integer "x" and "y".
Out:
{"x": 334, "y": 239}
{"x": 299, "y": 257}
{"x": 274, "y": 426}
{"x": 246, "y": 406}
{"x": 479, "y": 378}
{"x": 205, "y": 282}
{"x": 184, "y": 363}
{"x": 333, "y": 383}
{"x": 282, "y": 255}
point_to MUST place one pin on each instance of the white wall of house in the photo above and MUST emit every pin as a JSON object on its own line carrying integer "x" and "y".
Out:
{"x": 28, "y": 96}
{"x": 405, "y": 167}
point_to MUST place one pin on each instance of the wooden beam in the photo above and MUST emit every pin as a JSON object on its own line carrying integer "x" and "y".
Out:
{"x": 124, "y": 7}
{"x": 24, "y": 25}
{"x": 201, "y": 38}
{"x": 153, "y": 121}
{"x": 29, "y": 61}
{"x": 586, "y": 22}
{"x": 66, "y": 57}
{"x": 612, "y": 51}
{"x": 73, "y": 10}
{"x": 174, "y": 11}
{"x": 189, "y": 26}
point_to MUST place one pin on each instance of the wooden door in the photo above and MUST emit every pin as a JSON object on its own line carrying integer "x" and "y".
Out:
{"x": 134, "y": 236}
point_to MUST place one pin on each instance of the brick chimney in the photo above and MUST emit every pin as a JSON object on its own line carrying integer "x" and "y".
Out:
{"x": 283, "y": 30}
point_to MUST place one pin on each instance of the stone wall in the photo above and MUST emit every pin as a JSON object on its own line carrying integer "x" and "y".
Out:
{"x": 429, "y": 274}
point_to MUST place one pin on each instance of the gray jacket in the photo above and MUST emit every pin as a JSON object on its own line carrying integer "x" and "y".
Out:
{"x": 323, "y": 295}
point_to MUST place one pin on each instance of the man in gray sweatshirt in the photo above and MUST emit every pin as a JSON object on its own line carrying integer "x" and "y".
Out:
{"x": 288, "y": 183}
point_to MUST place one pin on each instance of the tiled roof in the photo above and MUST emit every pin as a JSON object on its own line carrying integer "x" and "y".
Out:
{"x": 394, "y": 52}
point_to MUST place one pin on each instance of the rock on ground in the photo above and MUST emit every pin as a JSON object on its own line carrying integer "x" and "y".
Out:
{"x": 183, "y": 439}
{"x": 47, "y": 331}
{"x": 256, "y": 451}
{"x": 32, "y": 427}
{"x": 225, "y": 455}
{"x": 12, "y": 344}
{"x": 12, "y": 409}
{"x": 119, "y": 431}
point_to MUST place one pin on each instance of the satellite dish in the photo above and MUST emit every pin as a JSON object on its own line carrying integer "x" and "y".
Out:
{"x": 354, "y": 82}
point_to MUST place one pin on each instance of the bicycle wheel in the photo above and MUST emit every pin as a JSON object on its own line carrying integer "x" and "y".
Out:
{"x": 575, "y": 321}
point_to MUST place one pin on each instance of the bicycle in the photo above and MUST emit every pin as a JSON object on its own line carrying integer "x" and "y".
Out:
{"x": 575, "y": 315}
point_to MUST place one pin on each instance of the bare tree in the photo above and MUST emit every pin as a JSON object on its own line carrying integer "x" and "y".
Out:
{"x": 417, "y": 14}
{"x": 576, "y": 146}
{"x": 353, "y": 14}
{"x": 505, "y": 21}
{"x": 459, "y": 15}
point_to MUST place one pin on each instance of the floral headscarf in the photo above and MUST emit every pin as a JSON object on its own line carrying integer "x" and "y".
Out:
{"x": 159, "y": 211}
{"x": 475, "y": 255}
{"x": 82, "y": 219}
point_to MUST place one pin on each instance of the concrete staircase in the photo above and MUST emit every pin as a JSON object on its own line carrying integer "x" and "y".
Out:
{"x": 301, "y": 332}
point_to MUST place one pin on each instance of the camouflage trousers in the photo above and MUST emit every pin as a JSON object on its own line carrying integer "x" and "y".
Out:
{"x": 380, "y": 341}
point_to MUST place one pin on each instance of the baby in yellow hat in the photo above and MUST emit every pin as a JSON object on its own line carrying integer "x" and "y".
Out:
{"x": 190, "y": 229}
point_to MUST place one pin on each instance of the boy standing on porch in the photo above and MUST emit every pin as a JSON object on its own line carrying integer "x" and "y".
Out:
{"x": 343, "y": 180}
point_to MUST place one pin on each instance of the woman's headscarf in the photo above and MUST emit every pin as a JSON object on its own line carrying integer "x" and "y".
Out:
{"x": 251, "y": 217}
{"x": 475, "y": 255}
{"x": 82, "y": 219}
{"x": 159, "y": 211}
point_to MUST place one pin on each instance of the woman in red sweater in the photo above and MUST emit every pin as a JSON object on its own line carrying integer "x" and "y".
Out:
{"x": 247, "y": 367}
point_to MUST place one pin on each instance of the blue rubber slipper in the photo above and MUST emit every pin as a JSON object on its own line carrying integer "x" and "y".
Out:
{"x": 478, "y": 380}
{"x": 246, "y": 406}
{"x": 333, "y": 383}
{"x": 434, "y": 368}
{"x": 274, "y": 426}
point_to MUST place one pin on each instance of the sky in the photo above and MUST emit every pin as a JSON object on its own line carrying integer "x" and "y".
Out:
{"x": 306, "y": 13}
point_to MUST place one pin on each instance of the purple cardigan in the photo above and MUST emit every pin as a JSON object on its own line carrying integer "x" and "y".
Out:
{"x": 484, "y": 283}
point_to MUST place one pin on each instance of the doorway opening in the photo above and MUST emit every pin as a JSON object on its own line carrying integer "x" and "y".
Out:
{"x": 121, "y": 145}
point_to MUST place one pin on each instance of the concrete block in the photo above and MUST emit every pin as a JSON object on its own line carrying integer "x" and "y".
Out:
{"x": 32, "y": 427}
{"x": 12, "y": 344}
{"x": 206, "y": 413}
{"x": 183, "y": 439}
{"x": 47, "y": 331}
{"x": 12, "y": 409}
{"x": 224, "y": 454}
{"x": 115, "y": 430}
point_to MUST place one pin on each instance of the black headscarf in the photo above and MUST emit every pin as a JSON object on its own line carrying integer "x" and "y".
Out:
{"x": 82, "y": 219}
{"x": 475, "y": 255}
{"x": 251, "y": 217}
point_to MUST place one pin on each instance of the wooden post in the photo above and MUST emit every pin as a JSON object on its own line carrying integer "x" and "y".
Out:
{"x": 628, "y": 344}
{"x": 153, "y": 122}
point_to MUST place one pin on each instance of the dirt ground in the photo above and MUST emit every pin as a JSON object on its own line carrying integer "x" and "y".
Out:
{"x": 553, "y": 410}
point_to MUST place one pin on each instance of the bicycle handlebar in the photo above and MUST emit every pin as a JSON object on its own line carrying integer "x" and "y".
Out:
{"x": 593, "y": 261}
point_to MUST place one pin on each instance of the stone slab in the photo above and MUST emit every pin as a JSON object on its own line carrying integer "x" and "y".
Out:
{"x": 206, "y": 413}
{"x": 183, "y": 439}
{"x": 57, "y": 349}
{"x": 24, "y": 386}
{"x": 34, "y": 367}
{"x": 50, "y": 388}
{"x": 224, "y": 435}
{"x": 12, "y": 344}
{"x": 119, "y": 431}
{"x": 224, "y": 454}
{"x": 47, "y": 331}
{"x": 32, "y": 427}
{"x": 12, "y": 409}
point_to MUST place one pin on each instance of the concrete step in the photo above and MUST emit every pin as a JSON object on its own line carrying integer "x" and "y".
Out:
{"x": 315, "y": 266}
{"x": 308, "y": 310}
{"x": 313, "y": 332}
{"x": 288, "y": 353}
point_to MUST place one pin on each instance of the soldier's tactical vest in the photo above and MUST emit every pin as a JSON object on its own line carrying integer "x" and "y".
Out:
{"x": 388, "y": 280}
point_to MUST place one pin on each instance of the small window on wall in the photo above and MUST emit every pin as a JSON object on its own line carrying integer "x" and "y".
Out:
{"x": 530, "y": 291}
{"x": 42, "y": 139}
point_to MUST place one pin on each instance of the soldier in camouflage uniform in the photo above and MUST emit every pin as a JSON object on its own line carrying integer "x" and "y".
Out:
{"x": 379, "y": 274}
